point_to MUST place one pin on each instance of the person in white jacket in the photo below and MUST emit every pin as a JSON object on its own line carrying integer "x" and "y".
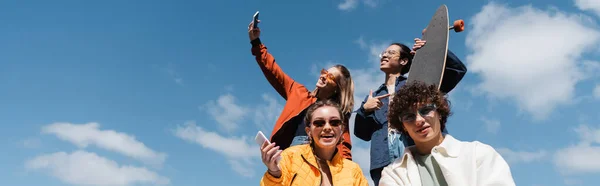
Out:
{"x": 421, "y": 111}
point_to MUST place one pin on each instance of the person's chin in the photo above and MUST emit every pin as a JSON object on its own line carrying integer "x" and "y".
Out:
{"x": 327, "y": 143}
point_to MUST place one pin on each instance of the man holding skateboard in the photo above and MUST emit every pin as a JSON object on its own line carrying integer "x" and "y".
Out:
{"x": 433, "y": 65}
{"x": 371, "y": 122}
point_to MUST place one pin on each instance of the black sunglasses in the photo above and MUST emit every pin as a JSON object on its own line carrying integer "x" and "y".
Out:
{"x": 321, "y": 123}
{"x": 423, "y": 111}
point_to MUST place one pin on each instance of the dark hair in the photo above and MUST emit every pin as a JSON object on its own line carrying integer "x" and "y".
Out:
{"x": 404, "y": 54}
{"x": 319, "y": 104}
{"x": 409, "y": 95}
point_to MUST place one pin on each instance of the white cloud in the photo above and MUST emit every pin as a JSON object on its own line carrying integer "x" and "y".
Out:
{"x": 87, "y": 134}
{"x": 492, "y": 126}
{"x": 516, "y": 50}
{"x": 226, "y": 112}
{"x": 230, "y": 114}
{"x": 85, "y": 168}
{"x": 521, "y": 156}
{"x": 265, "y": 115}
{"x": 591, "y": 5}
{"x": 370, "y": 77}
{"x": 240, "y": 154}
{"x": 578, "y": 159}
{"x": 597, "y": 92}
{"x": 582, "y": 157}
{"x": 348, "y": 5}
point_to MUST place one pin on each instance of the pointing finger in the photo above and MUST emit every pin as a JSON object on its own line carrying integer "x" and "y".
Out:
{"x": 383, "y": 96}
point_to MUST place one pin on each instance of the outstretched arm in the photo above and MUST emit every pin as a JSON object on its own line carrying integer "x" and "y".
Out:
{"x": 280, "y": 81}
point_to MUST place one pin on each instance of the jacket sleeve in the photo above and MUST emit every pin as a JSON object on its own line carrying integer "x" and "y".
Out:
{"x": 364, "y": 123}
{"x": 492, "y": 169}
{"x": 454, "y": 72}
{"x": 346, "y": 146}
{"x": 359, "y": 177}
{"x": 280, "y": 81}
{"x": 286, "y": 174}
{"x": 390, "y": 178}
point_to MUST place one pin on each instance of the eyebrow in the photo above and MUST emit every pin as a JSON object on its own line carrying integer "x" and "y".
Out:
{"x": 333, "y": 117}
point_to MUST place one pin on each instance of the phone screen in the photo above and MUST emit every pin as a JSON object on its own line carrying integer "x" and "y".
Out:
{"x": 255, "y": 19}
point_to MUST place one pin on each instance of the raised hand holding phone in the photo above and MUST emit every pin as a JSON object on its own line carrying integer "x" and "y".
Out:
{"x": 253, "y": 30}
{"x": 270, "y": 154}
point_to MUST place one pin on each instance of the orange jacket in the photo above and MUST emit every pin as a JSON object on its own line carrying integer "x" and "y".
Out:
{"x": 299, "y": 167}
{"x": 297, "y": 99}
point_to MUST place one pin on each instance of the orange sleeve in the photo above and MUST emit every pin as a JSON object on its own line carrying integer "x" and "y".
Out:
{"x": 280, "y": 81}
{"x": 346, "y": 146}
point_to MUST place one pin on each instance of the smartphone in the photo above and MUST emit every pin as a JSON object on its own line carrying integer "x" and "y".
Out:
{"x": 255, "y": 19}
{"x": 261, "y": 138}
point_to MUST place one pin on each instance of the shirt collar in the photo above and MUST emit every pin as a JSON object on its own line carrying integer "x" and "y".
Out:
{"x": 398, "y": 80}
{"x": 450, "y": 147}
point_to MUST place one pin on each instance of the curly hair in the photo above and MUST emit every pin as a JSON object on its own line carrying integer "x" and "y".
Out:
{"x": 319, "y": 104}
{"x": 411, "y": 94}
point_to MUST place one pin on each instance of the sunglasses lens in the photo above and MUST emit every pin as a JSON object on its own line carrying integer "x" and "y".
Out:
{"x": 319, "y": 123}
{"x": 426, "y": 110}
{"x": 408, "y": 117}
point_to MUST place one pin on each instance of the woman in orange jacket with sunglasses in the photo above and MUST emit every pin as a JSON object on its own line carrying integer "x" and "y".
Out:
{"x": 334, "y": 83}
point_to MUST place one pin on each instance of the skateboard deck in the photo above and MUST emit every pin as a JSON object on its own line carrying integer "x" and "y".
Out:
{"x": 429, "y": 62}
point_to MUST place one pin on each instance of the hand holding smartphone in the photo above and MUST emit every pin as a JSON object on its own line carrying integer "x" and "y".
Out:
{"x": 260, "y": 139}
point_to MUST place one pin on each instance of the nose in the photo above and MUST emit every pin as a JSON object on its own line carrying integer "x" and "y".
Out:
{"x": 327, "y": 127}
{"x": 420, "y": 120}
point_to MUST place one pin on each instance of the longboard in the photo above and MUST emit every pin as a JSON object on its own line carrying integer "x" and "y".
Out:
{"x": 429, "y": 62}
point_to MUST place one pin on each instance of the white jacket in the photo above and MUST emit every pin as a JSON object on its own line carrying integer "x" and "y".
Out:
{"x": 462, "y": 164}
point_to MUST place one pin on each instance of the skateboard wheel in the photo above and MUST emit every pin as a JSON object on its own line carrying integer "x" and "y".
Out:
{"x": 423, "y": 32}
{"x": 459, "y": 25}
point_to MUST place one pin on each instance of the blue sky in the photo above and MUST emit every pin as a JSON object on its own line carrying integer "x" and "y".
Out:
{"x": 157, "y": 93}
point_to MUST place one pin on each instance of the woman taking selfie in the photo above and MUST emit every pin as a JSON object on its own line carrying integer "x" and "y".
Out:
{"x": 334, "y": 83}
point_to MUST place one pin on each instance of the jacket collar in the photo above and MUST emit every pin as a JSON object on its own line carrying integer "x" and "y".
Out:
{"x": 398, "y": 80}
{"x": 450, "y": 147}
{"x": 335, "y": 165}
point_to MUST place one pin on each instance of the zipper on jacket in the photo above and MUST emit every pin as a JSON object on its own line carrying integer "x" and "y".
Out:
{"x": 293, "y": 178}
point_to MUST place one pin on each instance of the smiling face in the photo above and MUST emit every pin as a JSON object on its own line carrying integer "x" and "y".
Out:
{"x": 327, "y": 81}
{"x": 325, "y": 127}
{"x": 390, "y": 59}
{"x": 422, "y": 123}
